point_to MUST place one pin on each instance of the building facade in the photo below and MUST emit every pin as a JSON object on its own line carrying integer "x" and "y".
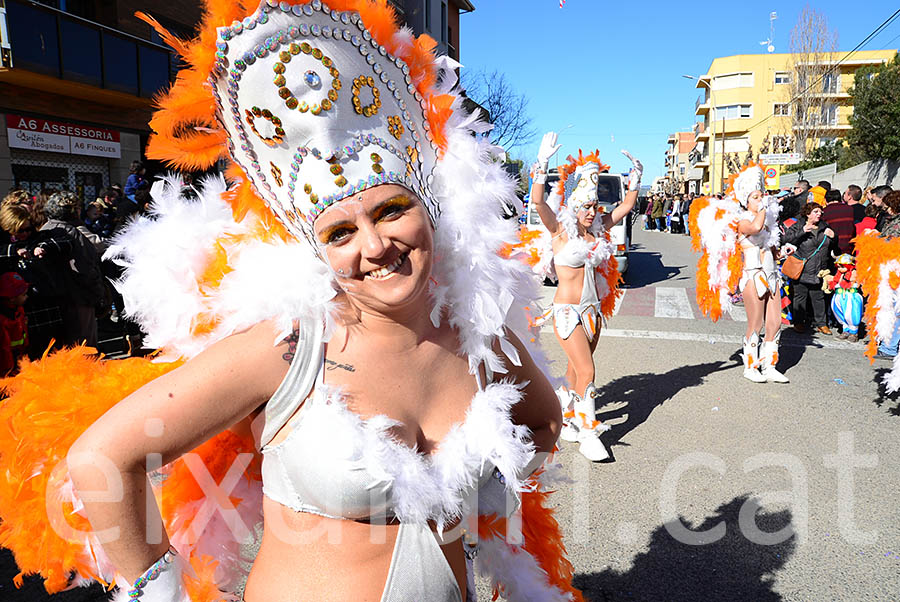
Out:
{"x": 437, "y": 18}
{"x": 753, "y": 101}
{"x": 76, "y": 87}
{"x": 77, "y": 79}
{"x": 678, "y": 162}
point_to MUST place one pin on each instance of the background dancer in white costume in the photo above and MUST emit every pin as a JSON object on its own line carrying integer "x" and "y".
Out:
{"x": 760, "y": 285}
{"x": 580, "y": 245}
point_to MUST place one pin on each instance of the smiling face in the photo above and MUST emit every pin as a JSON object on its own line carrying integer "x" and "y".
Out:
{"x": 380, "y": 245}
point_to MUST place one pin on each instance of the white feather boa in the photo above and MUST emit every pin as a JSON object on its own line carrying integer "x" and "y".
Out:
{"x": 166, "y": 253}
{"x": 887, "y": 310}
{"x": 515, "y": 573}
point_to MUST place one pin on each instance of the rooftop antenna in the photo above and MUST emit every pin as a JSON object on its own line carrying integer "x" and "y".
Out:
{"x": 770, "y": 47}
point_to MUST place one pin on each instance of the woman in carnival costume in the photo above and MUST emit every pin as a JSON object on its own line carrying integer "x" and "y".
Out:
{"x": 738, "y": 237}
{"x": 588, "y": 279}
{"x": 878, "y": 273}
{"x": 340, "y": 348}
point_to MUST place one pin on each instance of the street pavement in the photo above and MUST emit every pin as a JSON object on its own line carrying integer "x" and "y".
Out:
{"x": 720, "y": 489}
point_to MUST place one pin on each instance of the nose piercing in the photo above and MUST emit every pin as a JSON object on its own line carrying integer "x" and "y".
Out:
{"x": 341, "y": 272}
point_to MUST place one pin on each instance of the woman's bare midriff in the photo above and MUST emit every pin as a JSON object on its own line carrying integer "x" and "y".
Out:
{"x": 309, "y": 557}
{"x": 570, "y": 284}
{"x": 570, "y": 281}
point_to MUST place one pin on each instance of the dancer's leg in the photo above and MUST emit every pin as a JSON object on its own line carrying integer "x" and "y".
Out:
{"x": 581, "y": 362}
{"x": 755, "y": 308}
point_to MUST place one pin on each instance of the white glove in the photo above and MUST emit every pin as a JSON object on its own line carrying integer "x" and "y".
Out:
{"x": 548, "y": 148}
{"x": 634, "y": 178}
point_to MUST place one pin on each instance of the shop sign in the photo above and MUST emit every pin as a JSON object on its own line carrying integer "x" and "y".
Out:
{"x": 780, "y": 159}
{"x": 58, "y": 137}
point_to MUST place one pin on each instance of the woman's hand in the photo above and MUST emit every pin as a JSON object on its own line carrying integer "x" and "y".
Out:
{"x": 829, "y": 232}
{"x": 788, "y": 250}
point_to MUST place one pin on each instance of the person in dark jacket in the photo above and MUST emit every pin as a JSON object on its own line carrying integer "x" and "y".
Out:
{"x": 79, "y": 266}
{"x": 811, "y": 236}
{"x": 839, "y": 217}
{"x": 791, "y": 204}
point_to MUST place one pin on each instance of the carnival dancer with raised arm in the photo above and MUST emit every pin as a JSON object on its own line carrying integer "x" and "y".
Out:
{"x": 739, "y": 240}
{"x": 588, "y": 278}
{"x": 340, "y": 348}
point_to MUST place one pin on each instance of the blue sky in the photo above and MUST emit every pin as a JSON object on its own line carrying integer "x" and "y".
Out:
{"x": 614, "y": 69}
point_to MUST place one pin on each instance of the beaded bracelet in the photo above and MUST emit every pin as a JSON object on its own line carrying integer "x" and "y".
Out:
{"x": 152, "y": 573}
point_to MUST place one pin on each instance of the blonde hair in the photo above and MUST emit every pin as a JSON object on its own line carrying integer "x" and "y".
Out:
{"x": 17, "y": 197}
{"x": 15, "y": 217}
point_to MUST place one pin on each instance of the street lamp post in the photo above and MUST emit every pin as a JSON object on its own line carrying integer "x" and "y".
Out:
{"x": 712, "y": 133}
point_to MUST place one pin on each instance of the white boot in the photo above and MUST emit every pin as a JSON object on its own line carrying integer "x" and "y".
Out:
{"x": 751, "y": 359}
{"x": 589, "y": 428}
{"x": 569, "y": 431}
{"x": 769, "y": 360}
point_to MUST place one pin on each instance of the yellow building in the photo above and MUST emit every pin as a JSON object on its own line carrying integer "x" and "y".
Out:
{"x": 749, "y": 97}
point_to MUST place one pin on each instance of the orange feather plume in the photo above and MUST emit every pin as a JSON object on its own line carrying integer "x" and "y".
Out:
{"x": 872, "y": 253}
{"x": 573, "y": 163}
{"x": 72, "y": 388}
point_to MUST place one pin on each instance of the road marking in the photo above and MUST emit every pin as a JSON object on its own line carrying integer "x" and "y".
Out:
{"x": 724, "y": 338}
{"x": 672, "y": 303}
{"x": 737, "y": 313}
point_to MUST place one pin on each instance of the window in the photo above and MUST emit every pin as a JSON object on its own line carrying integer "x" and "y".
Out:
{"x": 782, "y": 77}
{"x": 444, "y": 22}
{"x": 782, "y": 144}
{"x": 829, "y": 114}
{"x": 734, "y": 112}
{"x": 681, "y": 170}
{"x": 733, "y": 80}
{"x": 782, "y": 109}
{"x": 428, "y": 15}
{"x": 830, "y": 83}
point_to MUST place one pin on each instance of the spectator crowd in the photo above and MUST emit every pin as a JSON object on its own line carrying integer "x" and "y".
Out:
{"x": 54, "y": 285}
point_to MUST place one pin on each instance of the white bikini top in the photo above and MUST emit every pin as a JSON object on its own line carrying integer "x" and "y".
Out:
{"x": 336, "y": 464}
{"x": 577, "y": 252}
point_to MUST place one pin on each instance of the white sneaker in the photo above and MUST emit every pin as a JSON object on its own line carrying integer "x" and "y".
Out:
{"x": 592, "y": 448}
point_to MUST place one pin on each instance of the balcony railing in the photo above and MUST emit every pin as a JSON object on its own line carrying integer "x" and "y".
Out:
{"x": 55, "y": 43}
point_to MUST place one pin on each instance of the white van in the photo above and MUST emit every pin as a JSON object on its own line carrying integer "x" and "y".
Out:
{"x": 610, "y": 192}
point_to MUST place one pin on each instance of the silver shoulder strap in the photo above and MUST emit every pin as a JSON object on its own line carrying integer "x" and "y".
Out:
{"x": 298, "y": 382}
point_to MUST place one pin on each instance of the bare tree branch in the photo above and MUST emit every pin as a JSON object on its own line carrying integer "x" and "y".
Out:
{"x": 813, "y": 77}
{"x": 508, "y": 109}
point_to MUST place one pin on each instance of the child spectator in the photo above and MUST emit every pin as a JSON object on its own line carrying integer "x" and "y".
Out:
{"x": 13, "y": 324}
{"x": 98, "y": 221}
